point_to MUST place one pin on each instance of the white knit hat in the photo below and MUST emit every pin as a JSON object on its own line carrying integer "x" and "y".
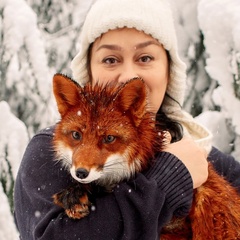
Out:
{"x": 153, "y": 17}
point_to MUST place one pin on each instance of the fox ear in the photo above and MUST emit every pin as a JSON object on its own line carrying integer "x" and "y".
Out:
{"x": 66, "y": 92}
{"x": 132, "y": 97}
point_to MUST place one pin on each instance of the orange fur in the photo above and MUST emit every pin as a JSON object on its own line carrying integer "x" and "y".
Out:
{"x": 100, "y": 113}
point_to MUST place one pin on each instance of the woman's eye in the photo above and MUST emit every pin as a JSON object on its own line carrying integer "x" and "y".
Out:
{"x": 109, "y": 139}
{"x": 76, "y": 135}
{"x": 145, "y": 59}
{"x": 109, "y": 61}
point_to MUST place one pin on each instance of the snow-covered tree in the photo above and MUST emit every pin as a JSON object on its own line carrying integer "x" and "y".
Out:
{"x": 213, "y": 61}
{"x": 13, "y": 140}
{"x": 192, "y": 51}
{"x": 8, "y": 229}
{"x": 220, "y": 24}
{"x": 60, "y": 22}
{"x": 25, "y": 75}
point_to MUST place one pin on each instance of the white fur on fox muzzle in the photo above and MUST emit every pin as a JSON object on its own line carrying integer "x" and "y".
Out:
{"x": 92, "y": 176}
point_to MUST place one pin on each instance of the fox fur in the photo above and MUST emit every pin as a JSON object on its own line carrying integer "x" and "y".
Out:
{"x": 107, "y": 135}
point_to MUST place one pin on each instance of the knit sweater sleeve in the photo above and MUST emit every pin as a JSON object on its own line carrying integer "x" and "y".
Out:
{"x": 136, "y": 209}
{"x": 226, "y": 166}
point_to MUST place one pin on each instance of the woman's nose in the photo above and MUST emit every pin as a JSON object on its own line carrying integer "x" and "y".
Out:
{"x": 127, "y": 72}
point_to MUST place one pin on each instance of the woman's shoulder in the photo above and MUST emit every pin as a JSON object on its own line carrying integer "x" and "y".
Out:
{"x": 226, "y": 166}
{"x": 39, "y": 149}
{"x": 43, "y": 137}
{"x": 39, "y": 162}
{"x": 216, "y": 156}
{"x": 48, "y": 131}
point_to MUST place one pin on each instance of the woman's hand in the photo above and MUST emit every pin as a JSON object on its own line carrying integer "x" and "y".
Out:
{"x": 193, "y": 156}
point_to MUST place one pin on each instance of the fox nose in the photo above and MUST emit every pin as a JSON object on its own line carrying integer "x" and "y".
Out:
{"x": 82, "y": 173}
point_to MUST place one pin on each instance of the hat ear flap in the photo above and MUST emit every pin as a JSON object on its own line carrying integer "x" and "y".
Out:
{"x": 66, "y": 92}
{"x": 132, "y": 99}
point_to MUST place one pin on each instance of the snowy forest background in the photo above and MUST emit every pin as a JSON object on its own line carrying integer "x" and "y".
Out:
{"x": 39, "y": 38}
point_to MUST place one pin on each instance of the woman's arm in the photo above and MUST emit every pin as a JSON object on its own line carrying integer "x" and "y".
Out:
{"x": 136, "y": 209}
{"x": 193, "y": 156}
{"x": 195, "y": 160}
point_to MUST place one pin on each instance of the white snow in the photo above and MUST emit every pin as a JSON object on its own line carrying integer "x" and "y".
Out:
{"x": 13, "y": 137}
{"x": 8, "y": 229}
{"x": 13, "y": 141}
{"x": 217, "y": 124}
{"x": 220, "y": 23}
{"x": 79, "y": 113}
{"x": 20, "y": 30}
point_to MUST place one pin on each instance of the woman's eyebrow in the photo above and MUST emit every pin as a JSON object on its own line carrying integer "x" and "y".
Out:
{"x": 147, "y": 43}
{"x": 110, "y": 47}
{"x": 138, "y": 46}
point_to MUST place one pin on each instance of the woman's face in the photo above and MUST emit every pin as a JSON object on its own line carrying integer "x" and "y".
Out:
{"x": 122, "y": 54}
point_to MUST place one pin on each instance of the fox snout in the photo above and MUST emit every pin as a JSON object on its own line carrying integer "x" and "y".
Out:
{"x": 112, "y": 171}
{"x": 84, "y": 175}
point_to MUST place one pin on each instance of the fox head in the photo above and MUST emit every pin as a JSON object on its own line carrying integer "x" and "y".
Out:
{"x": 105, "y": 133}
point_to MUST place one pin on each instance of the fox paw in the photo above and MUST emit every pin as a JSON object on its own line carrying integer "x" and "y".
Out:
{"x": 74, "y": 201}
{"x": 80, "y": 210}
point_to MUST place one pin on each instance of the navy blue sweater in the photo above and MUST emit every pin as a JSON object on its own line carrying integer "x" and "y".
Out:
{"x": 136, "y": 209}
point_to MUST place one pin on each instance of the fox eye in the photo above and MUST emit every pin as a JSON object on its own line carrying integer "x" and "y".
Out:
{"x": 109, "y": 139}
{"x": 76, "y": 135}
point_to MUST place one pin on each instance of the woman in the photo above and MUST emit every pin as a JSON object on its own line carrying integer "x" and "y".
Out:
{"x": 120, "y": 40}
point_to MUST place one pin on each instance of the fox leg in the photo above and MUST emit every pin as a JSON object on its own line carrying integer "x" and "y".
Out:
{"x": 74, "y": 200}
{"x": 215, "y": 213}
{"x": 177, "y": 229}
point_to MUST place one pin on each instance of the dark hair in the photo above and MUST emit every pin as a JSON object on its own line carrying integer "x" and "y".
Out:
{"x": 167, "y": 124}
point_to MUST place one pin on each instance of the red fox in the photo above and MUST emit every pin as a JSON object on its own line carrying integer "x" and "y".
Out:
{"x": 107, "y": 135}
